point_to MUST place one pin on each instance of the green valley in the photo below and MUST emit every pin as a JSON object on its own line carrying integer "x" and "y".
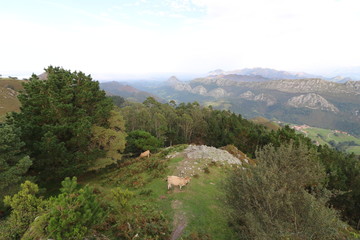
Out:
{"x": 340, "y": 140}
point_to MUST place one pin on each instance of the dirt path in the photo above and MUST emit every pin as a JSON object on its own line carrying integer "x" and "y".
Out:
{"x": 180, "y": 219}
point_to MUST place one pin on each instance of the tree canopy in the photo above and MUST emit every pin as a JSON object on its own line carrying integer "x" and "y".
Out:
{"x": 56, "y": 118}
{"x": 14, "y": 164}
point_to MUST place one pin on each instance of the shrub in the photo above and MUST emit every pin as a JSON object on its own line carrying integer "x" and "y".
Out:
{"x": 73, "y": 211}
{"x": 139, "y": 141}
{"x": 282, "y": 197}
{"x": 26, "y": 206}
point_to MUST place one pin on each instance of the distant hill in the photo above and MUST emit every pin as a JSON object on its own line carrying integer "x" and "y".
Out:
{"x": 114, "y": 88}
{"x": 9, "y": 89}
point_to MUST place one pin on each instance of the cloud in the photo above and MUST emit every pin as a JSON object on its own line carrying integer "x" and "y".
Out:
{"x": 188, "y": 36}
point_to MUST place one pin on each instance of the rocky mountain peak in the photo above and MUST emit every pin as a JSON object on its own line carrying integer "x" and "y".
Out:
{"x": 312, "y": 101}
{"x": 178, "y": 85}
{"x": 218, "y": 92}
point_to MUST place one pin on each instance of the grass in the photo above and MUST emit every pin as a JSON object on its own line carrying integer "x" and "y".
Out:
{"x": 202, "y": 199}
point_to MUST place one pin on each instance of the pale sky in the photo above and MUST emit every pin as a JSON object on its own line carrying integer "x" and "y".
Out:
{"x": 110, "y": 39}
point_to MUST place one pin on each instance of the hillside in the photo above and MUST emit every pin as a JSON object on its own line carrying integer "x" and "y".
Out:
{"x": 9, "y": 89}
{"x": 114, "y": 88}
{"x": 340, "y": 140}
{"x": 266, "y": 122}
{"x": 197, "y": 209}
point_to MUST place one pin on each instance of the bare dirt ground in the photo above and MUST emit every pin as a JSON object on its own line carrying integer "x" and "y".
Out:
{"x": 180, "y": 220}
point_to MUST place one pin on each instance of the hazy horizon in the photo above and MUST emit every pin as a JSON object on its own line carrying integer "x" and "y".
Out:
{"x": 147, "y": 39}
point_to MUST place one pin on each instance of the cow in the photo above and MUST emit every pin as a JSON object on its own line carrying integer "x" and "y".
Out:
{"x": 177, "y": 181}
{"x": 145, "y": 154}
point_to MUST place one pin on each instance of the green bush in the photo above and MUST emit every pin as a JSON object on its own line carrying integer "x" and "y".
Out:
{"x": 282, "y": 197}
{"x": 138, "y": 141}
{"x": 26, "y": 206}
{"x": 73, "y": 212}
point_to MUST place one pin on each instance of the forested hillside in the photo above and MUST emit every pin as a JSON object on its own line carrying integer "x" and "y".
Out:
{"x": 315, "y": 102}
{"x": 70, "y": 170}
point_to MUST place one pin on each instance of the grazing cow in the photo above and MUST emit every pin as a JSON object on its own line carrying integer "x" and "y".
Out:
{"x": 145, "y": 154}
{"x": 177, "y": 181}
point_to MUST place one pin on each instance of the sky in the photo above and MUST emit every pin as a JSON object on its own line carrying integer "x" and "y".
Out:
{"x": 119, "y": 39}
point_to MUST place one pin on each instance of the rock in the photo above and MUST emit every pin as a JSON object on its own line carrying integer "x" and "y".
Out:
{"x": 312, "y": 101}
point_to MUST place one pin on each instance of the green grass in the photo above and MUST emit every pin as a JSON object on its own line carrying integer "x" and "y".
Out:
{"x": 202, "y": 199}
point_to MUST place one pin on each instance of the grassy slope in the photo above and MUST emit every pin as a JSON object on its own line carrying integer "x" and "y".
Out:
{"x": 324, "y": 136}
{"x": 266, "y": 122}
{"x": 8, "y": 100}
{"x": 202, "y": 199}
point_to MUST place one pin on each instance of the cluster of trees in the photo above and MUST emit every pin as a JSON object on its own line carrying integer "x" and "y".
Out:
{"x": 192, "y": 123}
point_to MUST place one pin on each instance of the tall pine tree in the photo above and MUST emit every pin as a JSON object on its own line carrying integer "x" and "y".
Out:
{"x": 56, "y": 118}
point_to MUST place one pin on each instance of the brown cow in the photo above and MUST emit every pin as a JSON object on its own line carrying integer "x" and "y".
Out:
{"x": 177, "y": 181}
{"x": 145, "y": 154}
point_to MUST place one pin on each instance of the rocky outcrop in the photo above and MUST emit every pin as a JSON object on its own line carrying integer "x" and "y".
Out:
{"x": 218, "y": 92}
{"x": 268, "y": 99}
{"x": 249, "y": 95}
{"x": 312, "y": 101}
{"x": 353, "y": 85}
{"x": 199, "y": 157}
{"x": 220, "y": 82}
{"x": 199, "y": 90}
{"x": 178, "y": 85}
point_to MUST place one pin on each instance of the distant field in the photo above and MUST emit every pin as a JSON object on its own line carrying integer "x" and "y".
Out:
{"x": 339, "y": 140}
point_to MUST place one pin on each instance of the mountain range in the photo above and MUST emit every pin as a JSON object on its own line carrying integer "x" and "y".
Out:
{"x": 272, "y": 74}
{"x": 299, "y": 99}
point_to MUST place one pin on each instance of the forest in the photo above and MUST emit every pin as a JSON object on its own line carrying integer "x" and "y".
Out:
{"x": 69, "y": 132}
